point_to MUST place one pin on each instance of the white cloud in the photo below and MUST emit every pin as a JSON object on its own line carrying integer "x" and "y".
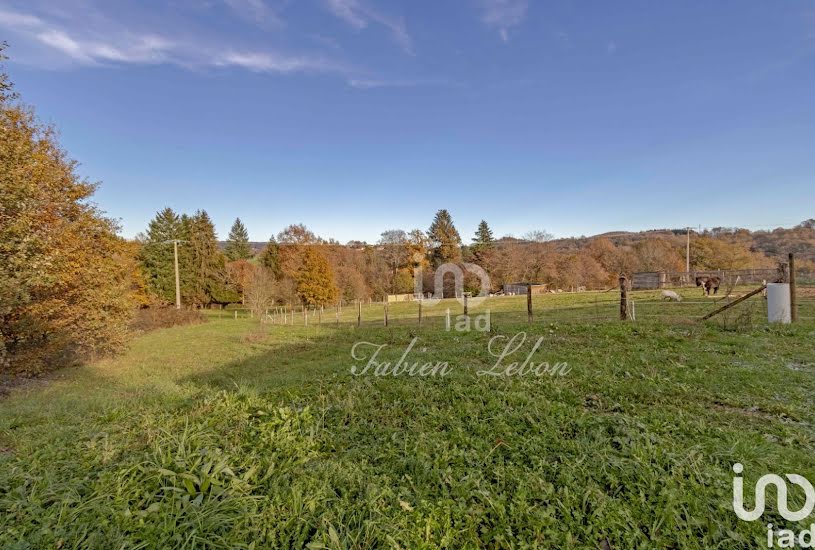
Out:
{"x": 349, "y": 11}
{"x": 266, "y": 62}
{"x": 256, "y": 11}
{"x": 360, "y": 15}
{"x": 110, "y": 44}
{"x": 19, "y": 20}
{"x": 130, "y": 49}
{"x": 503, "y": 15}
{"x": 64, "y": 43}
{"x": 372, "y": 83}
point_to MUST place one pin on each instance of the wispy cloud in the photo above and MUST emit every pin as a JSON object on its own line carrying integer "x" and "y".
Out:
{"x": 255, "y": 11}
{"x": 144, "y": 49}
{"x": 373, "y": 83}
{"x": 111, "y": 45}
{"x": 503, "y": 15}
{"x": 360, "y": 15}
{"x": 14, "y": 19}
{"x": 266, "y": 62}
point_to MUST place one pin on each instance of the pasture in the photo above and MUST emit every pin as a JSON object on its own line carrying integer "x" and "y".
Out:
{"x": 593, "y": 307}
{"x": 236, "y": 434}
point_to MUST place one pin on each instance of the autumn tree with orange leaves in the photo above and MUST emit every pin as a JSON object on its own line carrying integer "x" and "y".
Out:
{"x": 65, "y": 284}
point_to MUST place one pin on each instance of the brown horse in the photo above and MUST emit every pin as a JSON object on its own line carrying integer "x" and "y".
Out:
{"x": 708, "y": 283}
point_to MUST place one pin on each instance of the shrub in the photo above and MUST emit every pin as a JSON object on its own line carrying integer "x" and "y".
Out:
{"x": 64, "y": 277}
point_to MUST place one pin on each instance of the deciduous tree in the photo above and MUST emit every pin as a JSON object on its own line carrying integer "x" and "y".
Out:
{"x": 315, "y": 281}
{"x": 64, "y": 277}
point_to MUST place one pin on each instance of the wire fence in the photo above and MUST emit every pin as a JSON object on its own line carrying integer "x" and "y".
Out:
{"x": 577, "y": 307}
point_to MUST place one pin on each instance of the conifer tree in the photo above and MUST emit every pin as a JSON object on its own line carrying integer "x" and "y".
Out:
{"x": 483, "y": 235}
{"x": 237, "y": 244}
{"x": 270, "y": 258}
{"x": 483, "y": 242}
{"x": 156, "y": 255}
{"x": 444, "y": 238}
{"x": 208, "y": 264}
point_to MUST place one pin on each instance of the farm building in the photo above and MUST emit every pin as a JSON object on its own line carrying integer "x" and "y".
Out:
{"x": 513, "y": 289}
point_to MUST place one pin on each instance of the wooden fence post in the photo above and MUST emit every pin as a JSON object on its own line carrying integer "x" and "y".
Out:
{"x": 420, "y": 312}
{"x": 337, "y": 314}
{"x": 623, "y": 298}
{"x": 529, "y": 303}
{"x": 793, "y": 290}
{"x": 466, "y": 309}
{"x": 359, "y": 313}
{"x": 386, "y": 311}
{"x": 447, "y": 320}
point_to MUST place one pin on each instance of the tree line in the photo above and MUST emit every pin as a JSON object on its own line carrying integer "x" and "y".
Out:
{"x": 297, "y": 267}
{"x": 69, "y": 283}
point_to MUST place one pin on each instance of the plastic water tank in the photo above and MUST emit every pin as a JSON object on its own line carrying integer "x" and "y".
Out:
{"x": 778, "y": 303}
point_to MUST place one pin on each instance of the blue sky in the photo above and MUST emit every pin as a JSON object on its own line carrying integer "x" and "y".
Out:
{"x": 355, "y": 116}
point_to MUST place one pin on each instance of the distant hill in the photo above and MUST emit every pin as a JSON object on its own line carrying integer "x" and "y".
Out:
{"x": 776, "y": 243}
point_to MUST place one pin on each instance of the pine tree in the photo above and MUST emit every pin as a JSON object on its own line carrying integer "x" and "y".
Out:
{"x": 315, "y": 280}
{"x": 237, "y": 245}
{"x": 445, "y": 239}
{"x": 270, "y": 258}
{"x": 208, "y": 264}
{"x": 156, "y": 256}
{"x": 483, "y": 235}
{"x": 483, "y": 242}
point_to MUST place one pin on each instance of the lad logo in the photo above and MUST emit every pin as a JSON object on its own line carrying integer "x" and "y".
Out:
{"x": 785, "y": 537}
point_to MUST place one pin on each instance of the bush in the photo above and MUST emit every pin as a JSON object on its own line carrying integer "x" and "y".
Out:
{"x": 153, "y": 318}
{"x": 64, "y": 273}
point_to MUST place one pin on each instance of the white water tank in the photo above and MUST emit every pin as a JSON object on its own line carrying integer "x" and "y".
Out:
{"x": 778, "y": 303}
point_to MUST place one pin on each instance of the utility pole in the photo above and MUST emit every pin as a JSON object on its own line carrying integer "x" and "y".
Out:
{"x": 177, "y": 278}
{"x": 687, "y": 253}
{"x": 175, "y": 264}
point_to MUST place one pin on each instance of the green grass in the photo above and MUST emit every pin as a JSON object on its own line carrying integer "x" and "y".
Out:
{"x": 235, "y": 435}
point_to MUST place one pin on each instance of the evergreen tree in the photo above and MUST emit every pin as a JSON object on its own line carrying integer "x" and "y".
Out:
{"x": 483, "y": 235}
{"x": 156, "y": 256}
{"x": 445, "y": 239}
{"x": 237, "y": 245}
{"x": 208, "y": 264}
{"x": 483, "y": 242}
{"x": 315, "y": 280}
{"x": 270, "y": 258}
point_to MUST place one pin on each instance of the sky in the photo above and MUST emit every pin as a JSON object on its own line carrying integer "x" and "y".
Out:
{"x": 356, "y": 116}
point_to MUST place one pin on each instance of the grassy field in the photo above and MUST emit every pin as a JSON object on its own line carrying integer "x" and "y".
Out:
{"x": 563, "y": 307}
{"x": 233, "y": 434}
